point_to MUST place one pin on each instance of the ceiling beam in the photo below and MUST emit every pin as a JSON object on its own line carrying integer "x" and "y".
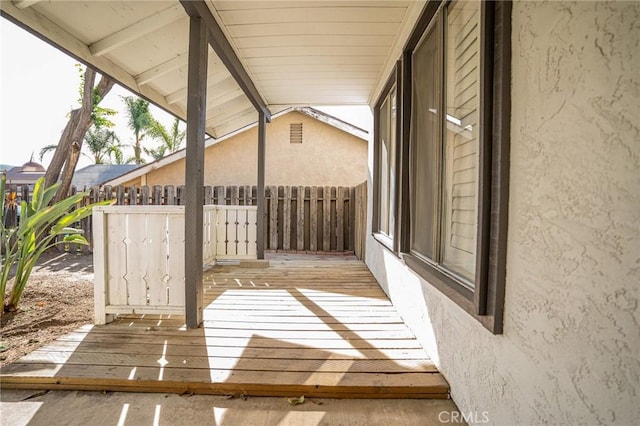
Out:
{"x": 23, "y": 4}
{"x": 137, "y": 30}
{"x": 181, "y": 94}
{"x": 162, "y": 69}
{"x": 224, "y": 50}
{"x": 236, "y": 123}
{"x": 214, "y": 101}
{"x": 230, "y": 114}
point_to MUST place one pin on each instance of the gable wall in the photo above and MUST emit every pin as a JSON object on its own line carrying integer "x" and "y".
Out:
{"x": 327, "y": 156}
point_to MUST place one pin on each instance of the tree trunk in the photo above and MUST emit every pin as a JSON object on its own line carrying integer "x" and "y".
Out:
{"x": 79, "y": 122}
{"x": 67, "y": 172}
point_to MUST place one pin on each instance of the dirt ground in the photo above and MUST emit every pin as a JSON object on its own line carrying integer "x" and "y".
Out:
{"x": 58, "y": 299}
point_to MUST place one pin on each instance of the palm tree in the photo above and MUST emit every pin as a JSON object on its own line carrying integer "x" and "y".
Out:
{"x": 140, "y": 121}
{"x": 103, "y": 145}
{"x": 169, "y": 141}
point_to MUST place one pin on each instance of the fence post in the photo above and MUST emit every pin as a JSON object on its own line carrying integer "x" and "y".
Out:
{"x": 99, "y": 268}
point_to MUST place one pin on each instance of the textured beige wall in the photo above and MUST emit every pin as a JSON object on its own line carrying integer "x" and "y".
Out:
{"x": 327, "y": 156}
{"x": 570, "y": 352}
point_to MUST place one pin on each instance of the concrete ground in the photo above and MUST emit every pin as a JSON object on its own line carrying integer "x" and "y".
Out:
{"x": 22, "y": 407}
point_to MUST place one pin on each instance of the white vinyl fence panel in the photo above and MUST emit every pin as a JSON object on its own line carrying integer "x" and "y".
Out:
{"x": 139, "y": 254}
{"x": 236, "y": 232}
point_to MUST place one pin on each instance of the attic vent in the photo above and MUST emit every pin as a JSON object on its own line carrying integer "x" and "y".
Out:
{"x": 295, "y": 133}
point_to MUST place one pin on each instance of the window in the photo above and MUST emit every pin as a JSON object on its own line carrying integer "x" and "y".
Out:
{"x": 444, "y": 141}
{"x": 456, "y": 64}
{"x": 295, "y": 133}
{"x": 386, "y": 120}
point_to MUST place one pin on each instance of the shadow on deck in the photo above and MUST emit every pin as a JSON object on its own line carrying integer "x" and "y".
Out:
{"x": 318, "y": 326}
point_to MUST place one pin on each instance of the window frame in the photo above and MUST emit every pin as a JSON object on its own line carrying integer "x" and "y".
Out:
{"x": 390, "y": 243}
{"x": 485, "y": 301}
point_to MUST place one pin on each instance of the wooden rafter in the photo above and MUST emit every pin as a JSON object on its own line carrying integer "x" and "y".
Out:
{"x": 137, "y": 30}
{"x": 212, "y": 79}
{"x": 23, "y": 4}
{"x": 162, "y": 69}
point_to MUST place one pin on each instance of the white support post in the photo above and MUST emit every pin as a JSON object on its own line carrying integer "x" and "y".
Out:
{"x": 99, "y": 267}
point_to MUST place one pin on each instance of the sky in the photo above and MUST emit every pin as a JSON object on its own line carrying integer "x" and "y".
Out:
{"x": 39, "y": 86}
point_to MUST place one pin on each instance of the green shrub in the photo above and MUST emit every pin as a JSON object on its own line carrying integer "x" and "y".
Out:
{"x": 39, "y": 228}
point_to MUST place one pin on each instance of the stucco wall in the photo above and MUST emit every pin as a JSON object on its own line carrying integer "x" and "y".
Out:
{"x": 570, "y": 352}
{"x": 327, "y": 156}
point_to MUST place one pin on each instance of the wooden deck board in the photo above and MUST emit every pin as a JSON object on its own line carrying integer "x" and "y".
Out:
{"x": 305, "y": 326}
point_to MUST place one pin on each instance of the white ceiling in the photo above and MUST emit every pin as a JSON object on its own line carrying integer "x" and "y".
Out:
{"x": 296, "y": 52}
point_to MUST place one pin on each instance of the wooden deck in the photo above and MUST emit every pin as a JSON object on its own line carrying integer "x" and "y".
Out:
{"x": 313, "y": 326}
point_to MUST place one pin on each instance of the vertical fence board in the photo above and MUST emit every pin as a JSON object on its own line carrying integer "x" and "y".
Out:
{"x": 208, "y": 234}
{"x": 300, "y": 219}
{"x": 232, "y": 231}
{"x": 273, "y": 217}
{"x": 180, "y": 195}
{"x": 265, "y": 217}
{"x": 156, "y": 197}
{"x": 233, "y": 195}
{"x": 169, "y": 195}
{"x": 252, "y": 229}
{"x": 157, "y": 253}
{"x": 144, "y": 195}
{"x": 120, "y": 192}
{"x": 361, "y": 220}
{"x": 219, "y": 195}
{"x": 221, "y": 232}
{"x": 108, "y": 192}
{"x": 313, "y": 218}
{"x": 136, "y": 259}
{"x": 117, "y": 259}
{"x": 132, "y": 196}
{"x": 208, "y": 195}
{"x": 326, "y": 218}
{"x": 246, "y": 197}
{"x": 287, "y": 222}
{"x": 340, "y": 219}
{"x": 175, "y": 266}
{"x": 352, "y": 218}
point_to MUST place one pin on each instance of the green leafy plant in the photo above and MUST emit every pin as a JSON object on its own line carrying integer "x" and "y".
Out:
{"x": 39, "y": 228}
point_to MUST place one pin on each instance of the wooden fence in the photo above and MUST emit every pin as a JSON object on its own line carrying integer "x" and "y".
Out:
{"x": 297, "y": 218}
